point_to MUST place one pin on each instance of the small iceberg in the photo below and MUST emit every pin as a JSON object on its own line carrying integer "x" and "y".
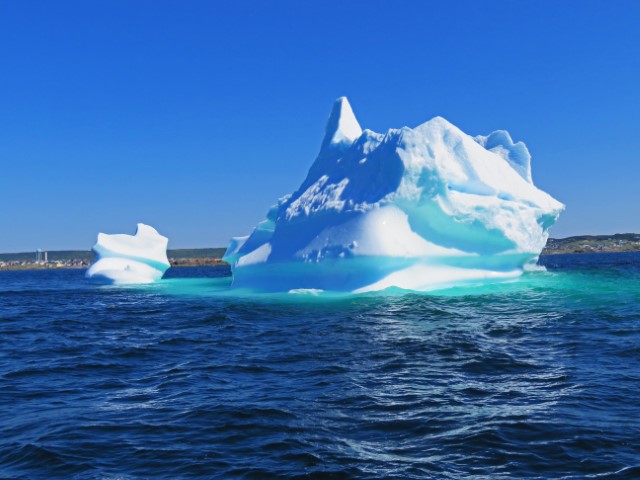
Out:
{"x": 129, "y": 259}
{"x": 418, "y": 208}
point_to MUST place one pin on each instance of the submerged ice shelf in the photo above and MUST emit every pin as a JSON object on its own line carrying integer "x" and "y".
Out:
{"x": 416, "y": 208}
{"x": 125, "y": 259}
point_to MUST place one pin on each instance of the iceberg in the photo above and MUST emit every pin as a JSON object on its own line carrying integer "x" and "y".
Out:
{"x": 415, "y": 208}
{"x": 125, "y": 259}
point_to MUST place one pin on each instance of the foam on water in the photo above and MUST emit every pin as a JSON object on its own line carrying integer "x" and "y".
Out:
{"x": 536, "y": 277}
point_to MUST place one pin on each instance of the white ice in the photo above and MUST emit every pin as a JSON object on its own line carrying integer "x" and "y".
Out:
{"x": 417, "y": 208}
{"x": 128, "y": 259}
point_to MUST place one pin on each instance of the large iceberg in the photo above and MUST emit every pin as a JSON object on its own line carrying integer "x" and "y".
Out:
{"x": 416, "y": 208}
{"x": 123, "y": 259}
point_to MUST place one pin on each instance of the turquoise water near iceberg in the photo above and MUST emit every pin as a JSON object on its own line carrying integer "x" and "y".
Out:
{"x": 534, "y": 378}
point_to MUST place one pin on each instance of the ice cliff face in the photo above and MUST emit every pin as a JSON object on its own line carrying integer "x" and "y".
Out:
{"x": 123, "y": 259}
{"x": 416, "y": 208}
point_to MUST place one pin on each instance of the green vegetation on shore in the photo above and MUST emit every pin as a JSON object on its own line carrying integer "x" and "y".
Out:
{"x": 620, "y": 242}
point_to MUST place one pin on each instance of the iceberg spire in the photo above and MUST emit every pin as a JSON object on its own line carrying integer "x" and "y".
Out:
{"x": 342, "y": 127}
{"x": 516, "y": 154}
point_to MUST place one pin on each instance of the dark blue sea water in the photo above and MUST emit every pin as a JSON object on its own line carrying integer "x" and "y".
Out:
{"x": 538, "y": 378}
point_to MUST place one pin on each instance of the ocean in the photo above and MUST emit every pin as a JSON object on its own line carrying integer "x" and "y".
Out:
{"x": 537, "y": 378}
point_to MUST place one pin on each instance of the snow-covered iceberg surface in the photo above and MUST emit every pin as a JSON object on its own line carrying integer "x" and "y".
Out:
{"x": 416, "y": 208}
{"x": 122, "y": 259}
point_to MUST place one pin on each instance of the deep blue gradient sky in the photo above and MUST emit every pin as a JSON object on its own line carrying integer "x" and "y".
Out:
{"x": 195, "y": 117}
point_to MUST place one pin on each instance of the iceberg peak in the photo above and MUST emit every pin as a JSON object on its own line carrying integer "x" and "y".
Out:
{"x": 516, "y": 154}
{"x": 343, "y": 127}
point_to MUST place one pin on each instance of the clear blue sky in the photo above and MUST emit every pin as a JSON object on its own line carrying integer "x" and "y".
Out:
{"x": 195, "y": 116}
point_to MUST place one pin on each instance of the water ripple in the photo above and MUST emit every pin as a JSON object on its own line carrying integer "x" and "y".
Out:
{"x": 533, "y": 379}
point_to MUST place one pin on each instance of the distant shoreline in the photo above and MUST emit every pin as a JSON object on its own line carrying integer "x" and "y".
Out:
{"x": 186, "y": 257}
{"x": 198, "y": 262}
{"x": 618, "y": 243}
{"x": 216, "y": 262}
{"x": 586, "y": 252}
{"x": 190, "y": 257}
